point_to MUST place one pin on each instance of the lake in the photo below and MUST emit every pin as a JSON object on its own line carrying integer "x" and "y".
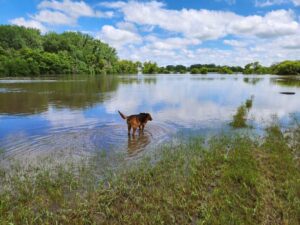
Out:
{"x": 79, "y": 114}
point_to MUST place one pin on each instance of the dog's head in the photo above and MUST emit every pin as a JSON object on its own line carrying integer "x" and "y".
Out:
{"x": 147, "y": 116}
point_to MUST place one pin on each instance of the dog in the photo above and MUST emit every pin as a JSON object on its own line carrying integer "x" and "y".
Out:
{"x": 136, "y": 121}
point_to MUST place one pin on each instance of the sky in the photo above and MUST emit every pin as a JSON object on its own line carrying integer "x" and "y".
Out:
{"x": 224, "y": 32}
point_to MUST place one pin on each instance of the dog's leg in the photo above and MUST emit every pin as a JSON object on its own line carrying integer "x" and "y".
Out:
{"x": 133, "y": 131}
{"x": 129, "y": 128}
{"x": 143, "y": 126}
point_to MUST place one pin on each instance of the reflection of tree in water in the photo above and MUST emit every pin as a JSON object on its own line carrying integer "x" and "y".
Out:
{"x": 35, "y": 97}
{"x": 137, "y": 143}
{"x": 136, "y": 80}
{"x": 130, "y": 80}
{"x": 252, "y": 81}
{"x": 150, "y": 80}
{"x": 286, "y": 81}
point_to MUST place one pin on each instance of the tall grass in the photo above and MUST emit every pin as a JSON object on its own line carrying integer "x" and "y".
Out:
{"x": 232, "y": 180}
{"x": 240, "y": 118}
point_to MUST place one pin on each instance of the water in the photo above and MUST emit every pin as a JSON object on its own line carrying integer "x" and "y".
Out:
{"x": 79, "y": 114}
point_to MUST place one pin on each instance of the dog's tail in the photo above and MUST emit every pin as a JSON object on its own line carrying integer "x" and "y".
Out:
{"x": 122, "y": 115}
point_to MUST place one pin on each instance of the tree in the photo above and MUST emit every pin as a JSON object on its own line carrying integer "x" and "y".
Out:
{"x": 195, "y": 71}
{"x": 287, "y": 68}
{"x": 225, "y": 70}
{"x": 150, "y": 68}
{"x": 127, "y": 67}
{"x": 24, "y": 51}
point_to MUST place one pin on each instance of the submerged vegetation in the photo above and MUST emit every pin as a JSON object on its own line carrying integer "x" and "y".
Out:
{"x": 232, "y": 180}
{"x": 25, "y": 52}
{"x": 240, "y": 118}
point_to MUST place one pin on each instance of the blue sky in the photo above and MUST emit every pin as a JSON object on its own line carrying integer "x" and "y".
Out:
{"x": 232, "y": 32}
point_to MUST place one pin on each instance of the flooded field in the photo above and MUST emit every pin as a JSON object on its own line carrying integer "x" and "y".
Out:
{"x": 79, "y": 114}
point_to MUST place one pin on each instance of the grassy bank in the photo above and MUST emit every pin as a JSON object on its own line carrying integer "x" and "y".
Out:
{"x": 232, "y": 180}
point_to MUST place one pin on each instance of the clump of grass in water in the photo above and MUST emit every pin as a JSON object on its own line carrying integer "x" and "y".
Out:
{"x": 240, "y": 118}
{"x": 249, "y": 103}
{"x": 246, "y": 182}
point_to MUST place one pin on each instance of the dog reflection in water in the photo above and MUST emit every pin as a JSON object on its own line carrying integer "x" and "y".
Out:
{"x": 137, "y": 143}
{"x": 136, "y": 121}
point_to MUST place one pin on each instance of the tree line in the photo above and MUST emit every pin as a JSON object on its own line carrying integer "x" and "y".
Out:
{"x": 282, "y": 68}
{"x": 26, "y": 52}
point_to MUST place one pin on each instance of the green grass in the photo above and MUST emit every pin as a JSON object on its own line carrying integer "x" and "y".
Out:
{"x": 231, "y": 180}
{"x": 240, "y": 117}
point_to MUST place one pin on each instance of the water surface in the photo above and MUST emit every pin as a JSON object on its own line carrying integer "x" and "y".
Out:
{"x": 79, "y": 114}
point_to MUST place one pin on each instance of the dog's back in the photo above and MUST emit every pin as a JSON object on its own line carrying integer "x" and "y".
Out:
{"x": 136, "y": 121}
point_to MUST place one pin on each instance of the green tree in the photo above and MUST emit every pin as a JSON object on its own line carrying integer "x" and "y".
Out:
{"x": 195, "y": 71}
{"x": 287, "y": 68}
{"x": 150, "y": 68}
{"x": 127, "y": 67}
{"x": 225, "y": 70}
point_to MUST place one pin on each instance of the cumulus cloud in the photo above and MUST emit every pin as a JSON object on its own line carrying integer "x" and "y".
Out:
{"x": 170, "y": 43}
{"x": 28, "y": 23}
{"x": 74, "y": 9}
{"x": 296, "y": 2}
{"x": 254, "y": 38}
{"x": 236, "y": 43}
{"x": 118, "y": 37}
{"x": 273, "y": 24}
{"x": 208, "y": 24}
{"x": 266, "y": 3}
{"x": 168, "y": 36}
{"x": 54, "y": 18}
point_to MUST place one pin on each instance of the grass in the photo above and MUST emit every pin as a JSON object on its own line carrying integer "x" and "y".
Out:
{"x": 240, "y": 118}
{"x": 231, "y": 180}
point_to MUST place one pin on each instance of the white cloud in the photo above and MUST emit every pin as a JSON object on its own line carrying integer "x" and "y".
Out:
{"x": 236, "y": 43}
{"x": 273, "y": 24}
{"x": 296, "y": 2}
{"x": 28, "y": 23}
{"x": 54, "y": 18}
{"x": 266, "y": 3}
{"x": 127, "y": 26}
{"x": 72, "y": 8}
{"x": 170, "y": 43}
{"x": 66, "y": 12}
{"x": 118, "y": 37}
{"x": 208, "y": 24}
{"x": 113, "y": 5}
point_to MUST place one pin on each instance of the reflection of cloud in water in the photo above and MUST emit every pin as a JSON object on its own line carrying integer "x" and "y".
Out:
{"x": 190, "y": 102}
{"x": 65, "y": 118}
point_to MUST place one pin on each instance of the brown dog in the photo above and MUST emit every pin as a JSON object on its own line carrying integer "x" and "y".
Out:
{"x": 136, "y": 121}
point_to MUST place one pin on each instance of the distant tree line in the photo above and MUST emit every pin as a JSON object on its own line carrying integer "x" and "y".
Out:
{"x": 25, "y": 52}
{"x": 283, "y": 68}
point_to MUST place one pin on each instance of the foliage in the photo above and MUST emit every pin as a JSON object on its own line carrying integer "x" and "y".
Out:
{"x": 195, "y": 71}
{"x": 127, "y": 67}
{"x": 201, "y": 70}
{"x": 25, "y": 52}
{"x": 150, "y": 68}
{"x": 239, "y": 119}
{"x": 225, "y": 70}
{"x": 256, "y": 68}
{"x": 287, "y": 68}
